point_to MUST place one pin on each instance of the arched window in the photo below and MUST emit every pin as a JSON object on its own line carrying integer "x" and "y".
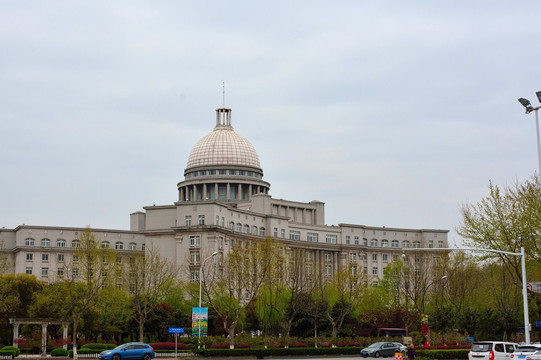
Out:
{"x": 374, "y": 242}
{"x": 254, "y": 230}
{"x": 119, "y": 245}
{"x": 232, "y": 225}
{"x": 29, "y": 242}
{"x": 105, "y": 245}
{"x": 405, "y": 244}
{"x": 61, "y": 243}
{"x": 384, "y": 243}
{"x": 45, "y": 242}
{"x": 417, "y": 244}
{"x": 239, "y": 227}
{"x": 75, "y": 243}
{"x": 246, "y": 229}
{"x": 132, "y": 246}
{"x": 261, "y": 231}
{"x": 394, "y": 243}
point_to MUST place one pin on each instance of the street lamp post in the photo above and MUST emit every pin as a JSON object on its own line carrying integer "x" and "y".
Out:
{"x": 529, "y": 108}
{"x": 200, "y": 277}
{"x": 522, "y": 254}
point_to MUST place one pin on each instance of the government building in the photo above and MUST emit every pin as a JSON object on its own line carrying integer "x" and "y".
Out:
{"x": 223, "y": 198}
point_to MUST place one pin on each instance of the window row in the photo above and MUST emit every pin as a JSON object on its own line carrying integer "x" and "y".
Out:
{"x": 223, "y": 172}
{"x": 119, "y": 245}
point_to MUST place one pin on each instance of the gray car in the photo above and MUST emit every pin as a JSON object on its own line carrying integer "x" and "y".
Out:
{"x": 381, "y": 349}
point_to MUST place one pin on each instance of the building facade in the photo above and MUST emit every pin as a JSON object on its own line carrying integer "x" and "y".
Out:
{"x": 222, "y": 198}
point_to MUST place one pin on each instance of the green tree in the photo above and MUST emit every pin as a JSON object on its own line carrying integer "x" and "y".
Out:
{"x": 232, "y": 288}
{"x": 507, "y": 219}
{"x": 148, "y": 279}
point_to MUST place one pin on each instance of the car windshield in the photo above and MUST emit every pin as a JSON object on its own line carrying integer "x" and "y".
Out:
{"x": 375, "y": 345}
{"x": 481, "y": 347}
{"x": 120, "y": 347}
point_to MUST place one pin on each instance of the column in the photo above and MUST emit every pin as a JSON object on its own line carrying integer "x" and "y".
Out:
{"x": 228, "y": 192}
{"x": 65, "y": 335}
{"x": 205, "y": 195}
{"x": 15, "y": 333}
{"x": 44, "y": 339}
{"x": 250, "y": 191}
{"x": 239, "y": 195}
{"x": 195, "y": 194}
{"x": 216, "y": 195}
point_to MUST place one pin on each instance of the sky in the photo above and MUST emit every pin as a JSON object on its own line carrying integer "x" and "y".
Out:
{"x": 393, "y": 113}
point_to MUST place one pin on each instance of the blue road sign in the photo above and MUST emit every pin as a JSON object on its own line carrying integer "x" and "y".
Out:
{"x": 538, "y": 323}
{"x": 176, "y": 330}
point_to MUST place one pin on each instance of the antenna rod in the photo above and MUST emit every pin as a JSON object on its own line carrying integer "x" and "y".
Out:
{"x": 223, "y": 93}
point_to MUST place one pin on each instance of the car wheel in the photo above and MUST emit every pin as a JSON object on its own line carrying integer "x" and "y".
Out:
{"x": 376, "y": 354}
{"x": 364, "y": 355}
{"x": 116, "y": 357}
{"x": 147, "y": 357}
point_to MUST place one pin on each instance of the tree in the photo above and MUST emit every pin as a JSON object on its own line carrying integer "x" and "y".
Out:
{"x": 91, "y": 269}
{"x": 231, "y": 288}
{"x": 148, "y": 280}
{"x": 342, "y": 293}
{"x": 507, "y": 219}
{"x": 4, "y": 258}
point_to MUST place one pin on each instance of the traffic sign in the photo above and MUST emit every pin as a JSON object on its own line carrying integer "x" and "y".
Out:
{"x": 176, "y": 330}
{"x": 538, "y": 323}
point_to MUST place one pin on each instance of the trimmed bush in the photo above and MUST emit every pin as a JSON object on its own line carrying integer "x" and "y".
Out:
{"x": 8, "y": 353}
{"x": 443, "y": 354}
{"x": 59, "y": 352}
{"x": 14, "y": 348}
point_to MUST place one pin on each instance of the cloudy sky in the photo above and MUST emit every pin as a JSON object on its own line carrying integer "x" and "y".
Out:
{"x": 393, "y": 113}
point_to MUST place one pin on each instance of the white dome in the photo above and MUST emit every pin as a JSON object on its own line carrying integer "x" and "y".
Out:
{"x": 223, "y": 146}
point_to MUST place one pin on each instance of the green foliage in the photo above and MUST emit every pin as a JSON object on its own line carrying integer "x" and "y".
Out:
{"x": 98, "y": 346}
{"x": 12, "y": 348}
{"x": 11, "y": 353}
{"x": 59, "y": 352}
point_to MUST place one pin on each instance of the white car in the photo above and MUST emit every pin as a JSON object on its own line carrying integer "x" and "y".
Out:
{"x": 491, "y": 350}
{"x": 535, "y": 356}
{"x": 522, "y": 351}
{"x": 403, "y": 348}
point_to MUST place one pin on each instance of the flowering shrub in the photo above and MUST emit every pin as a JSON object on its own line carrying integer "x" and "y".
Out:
{"x": 225, "y": 345}
{"x": 297, "y": 345}
{"x": 60, "y": 342}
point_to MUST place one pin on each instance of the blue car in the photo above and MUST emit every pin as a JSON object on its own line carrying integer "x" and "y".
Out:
{"x": 134, "y": 350}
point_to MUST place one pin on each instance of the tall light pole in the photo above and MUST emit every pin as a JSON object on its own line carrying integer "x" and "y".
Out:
{"x": 200, "y": 278}
{"x": 522, "y": 254}
{"x": 529, "y": 108}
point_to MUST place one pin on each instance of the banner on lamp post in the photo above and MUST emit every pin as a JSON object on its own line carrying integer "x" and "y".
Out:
{"x": 200, "y": 318}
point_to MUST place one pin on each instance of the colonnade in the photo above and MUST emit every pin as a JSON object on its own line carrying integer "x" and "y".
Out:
{"x": 44, "y": 323}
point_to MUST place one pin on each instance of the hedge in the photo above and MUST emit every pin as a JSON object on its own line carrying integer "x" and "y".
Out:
{"x": 8, "y": 353}
{"x": 59, "y": 352}
{"x": 261, "y": 352}
{"x": 14, "y": 348}
{"x": 98, "y": 346}
{"x": 443, "y": 354}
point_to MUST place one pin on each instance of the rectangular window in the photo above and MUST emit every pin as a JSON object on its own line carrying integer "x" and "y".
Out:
{"x": 221, "y": 243}
{"x": 119, "y": 259}
{"x": 188, "y": 220}
{"x": 283, "y": 233}
{"x": 201, "y": 219}
{"x": 195, "y": 257}
{"x": 385, "y": 257}
{"x": 75, "y": 272}
{"x": 352, "y": 257}
{"x": 217, "y": 220}
{"x": 328, "y": 256}
{"x": 375, "y": 270}
{"x": 330, "y": 238}
{"x": 223, "y": 221}
{"x": 310, "y": 255}
{"x": 60, "y": 272}
{"x": 75, "y": 258}
{"x": 375, "y": 257}
{"x": 294, "y": 235}
{"x": 232, "y": 172}
{"x": 195, "y": 241}
{"x": 275, "y": 232}
{"x": 312, "y": 237}
{"x": 212, "y": 172}
{"x": 348, "y": 239}
{"x": 365, "y": 242}
{"x": 60, "y": 258}
{"x": 44, "y": 271}
{"x": 222, "y": 172}
{"x": 356, "y": 240}
{"x": 28, "y": 271}
{"x": 431, "y": 244}
{"x": 29, "y": 256}
{"x": 328, "y": 270}
{"x": 440, "y": 244}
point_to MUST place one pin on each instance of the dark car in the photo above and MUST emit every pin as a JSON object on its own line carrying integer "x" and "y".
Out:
{"x": 381, "y": 349}
{"x": 134, "y": 350}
